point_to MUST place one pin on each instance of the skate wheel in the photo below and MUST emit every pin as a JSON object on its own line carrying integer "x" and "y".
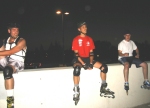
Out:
{"x": 113, "y": 97}
{"x": 76, "y": 102}
{"x": 101, "y": 95}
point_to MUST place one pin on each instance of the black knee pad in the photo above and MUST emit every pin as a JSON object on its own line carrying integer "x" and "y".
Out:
{"x": 7, "y": 72}
{"x": 77, "y": 70}
{"x": 105, "y": 68}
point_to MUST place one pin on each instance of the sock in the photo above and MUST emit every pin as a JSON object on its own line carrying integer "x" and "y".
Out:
{"x": 145, "y": 80}
{"x": 10, "y": 92}
{"x": 76, "y": 85}
{"x": 103, "y": 81}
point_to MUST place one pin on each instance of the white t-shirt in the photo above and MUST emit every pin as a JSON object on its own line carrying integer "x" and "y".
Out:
{"x": 126, "y": 47}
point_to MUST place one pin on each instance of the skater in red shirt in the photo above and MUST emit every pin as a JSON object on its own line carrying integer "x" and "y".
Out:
{"x": 83, "y": 47}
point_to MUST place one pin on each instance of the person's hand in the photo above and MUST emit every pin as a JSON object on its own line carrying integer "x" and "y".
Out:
{"x": 85, "y": 66}
{"x": 90, "y": 66}
{"x": 126, "y": 54}
{"x": 137, "y": 56}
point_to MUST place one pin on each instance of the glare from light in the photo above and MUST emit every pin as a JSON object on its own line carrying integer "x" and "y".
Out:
{"x": 66, "y": 13}
{"x": 58, "y": 12}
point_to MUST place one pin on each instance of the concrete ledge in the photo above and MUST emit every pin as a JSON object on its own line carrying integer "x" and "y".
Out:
{"x": 53, "y": 88}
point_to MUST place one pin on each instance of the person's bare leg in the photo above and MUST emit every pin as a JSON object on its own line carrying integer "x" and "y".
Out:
{"x": 102, "y": 75}
{"x": 145, "y": 70}
{"x": 103, "y": 89}
{"x": 145, "y": 74}
{"x": 126, "y": 76}
{"x": 9, "y": 86}
{"x": 76, "y": 80}
{"x": 9, "y": 83}
{"x": 126, "y": 71}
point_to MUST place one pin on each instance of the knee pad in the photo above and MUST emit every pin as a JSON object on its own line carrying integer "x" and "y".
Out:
{"x": 7, "y": 72}
{"x": 77, "y": 70}
{"x": 105, "y": 68}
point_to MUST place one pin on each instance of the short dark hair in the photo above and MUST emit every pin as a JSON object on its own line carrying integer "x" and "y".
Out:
{"x": 126, "y": 32}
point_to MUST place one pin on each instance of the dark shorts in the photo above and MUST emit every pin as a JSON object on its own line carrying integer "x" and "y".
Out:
{"x": 131, "y": 60}
{"x": 85, "y": 60}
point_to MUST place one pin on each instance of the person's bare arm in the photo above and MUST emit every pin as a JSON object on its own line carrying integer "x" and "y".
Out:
{"x": 2, "y": 48}
{"x": 20, "y": 45}
{"x": 79, "y": 58}
{"x": 91, "y": 56}
{"x": 137, "y": 53}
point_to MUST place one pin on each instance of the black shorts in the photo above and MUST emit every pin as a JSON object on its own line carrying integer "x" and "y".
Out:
{"x": 85, "y": 60}
{"x": 131, "y": 60}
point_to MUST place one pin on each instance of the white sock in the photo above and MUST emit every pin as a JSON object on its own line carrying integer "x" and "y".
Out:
{"x": 76, "y": 85}
{"x": 146, "y": 80}
{"x": 10, "y": 92}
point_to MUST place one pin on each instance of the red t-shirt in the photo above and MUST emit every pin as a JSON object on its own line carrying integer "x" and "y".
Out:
{"x": 83, "y": 45}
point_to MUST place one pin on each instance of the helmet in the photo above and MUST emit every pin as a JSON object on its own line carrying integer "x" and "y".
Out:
{"x": 81, "y": 24}
{"x": 13, "y": 25}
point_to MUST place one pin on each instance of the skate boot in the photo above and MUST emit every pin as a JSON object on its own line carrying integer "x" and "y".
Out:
{"x": 146, "y": 85}
{"x": 126, "y": 87}
{"x": 10, "y": 102}
{"x": 104, "y": 91}
{"x": 76, "y": 95}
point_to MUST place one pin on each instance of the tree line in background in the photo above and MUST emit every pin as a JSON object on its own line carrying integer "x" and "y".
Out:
{"x": 104, "y": 52}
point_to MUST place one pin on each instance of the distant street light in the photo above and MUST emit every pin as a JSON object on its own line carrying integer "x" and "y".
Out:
{"x": 62, "y": 16}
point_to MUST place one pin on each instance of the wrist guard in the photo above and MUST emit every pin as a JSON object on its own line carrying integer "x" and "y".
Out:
{"x": 85, "y": 66}
{"x": 76, "y": 55}
{"x": 91, "y": 54}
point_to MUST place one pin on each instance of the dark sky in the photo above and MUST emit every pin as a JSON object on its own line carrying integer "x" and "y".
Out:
{"x": 107, "y": 19}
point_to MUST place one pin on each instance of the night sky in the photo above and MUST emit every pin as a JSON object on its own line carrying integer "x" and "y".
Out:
{"x": 106, "y": 19}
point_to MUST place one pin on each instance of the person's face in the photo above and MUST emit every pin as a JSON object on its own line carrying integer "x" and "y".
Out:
{"x": 83, "y": 29}
{"x": 14, "y": 32}
{"x": 127, "y": 37}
